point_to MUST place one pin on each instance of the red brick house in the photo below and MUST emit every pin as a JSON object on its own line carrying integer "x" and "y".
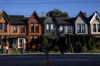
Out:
{"x": 12, "y": 31}
{"x": 3, "y": 28}
{"x": 34, "y": 31}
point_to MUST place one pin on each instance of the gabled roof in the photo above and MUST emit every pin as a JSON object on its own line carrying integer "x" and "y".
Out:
{"x": 92, "y": 16}
{"x": 81, "y": 14}
{"x": 36, "y": 16}
{"x": 49, "y": 17}
{"x": 5, "y": 16}
{"x": 16, "y": 19}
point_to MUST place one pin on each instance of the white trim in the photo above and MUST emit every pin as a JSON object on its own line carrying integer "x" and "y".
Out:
{"x": 94, "y": 17}
{"x": 23, "y": 41}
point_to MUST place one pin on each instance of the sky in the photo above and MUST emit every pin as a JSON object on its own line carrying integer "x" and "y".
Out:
{"x": 26, "y": 7}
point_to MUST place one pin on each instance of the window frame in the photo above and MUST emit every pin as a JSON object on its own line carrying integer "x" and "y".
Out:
{"x": 47, "y": 27}
{"x": 22, "y": 28}
{"x": 36, "y": 27}
{"x": 98, "y": 27}
{"x": 78, "y": 28}
{"x": 32, "y": 27}
{"x": 69, "y": 29}
{"x": 1, "y": 26}
{"x": 83, "y": 28}
{"x": 5, "y": 28}
{"x": 94, "y": 27}
{"x": 15, "y": 28}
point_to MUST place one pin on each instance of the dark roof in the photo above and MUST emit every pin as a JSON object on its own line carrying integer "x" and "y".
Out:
{"x": 71, "y": 20}
{"x": 16, "y": 19}
{"x": 61, "y": 20}
{"x": 42, "y": 18}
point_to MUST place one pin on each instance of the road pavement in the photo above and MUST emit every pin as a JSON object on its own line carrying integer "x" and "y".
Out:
{"x": 50, "y": 60}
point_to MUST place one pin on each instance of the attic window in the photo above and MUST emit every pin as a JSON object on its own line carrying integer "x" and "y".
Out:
{"x": 35, "y": 20}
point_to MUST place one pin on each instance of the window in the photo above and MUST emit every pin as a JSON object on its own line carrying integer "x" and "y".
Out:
{"x": 61, "y": 28}
{"x": 78, "y": 28}
{"x": 5, "y": 27}
{"x": 32, "y": 39}
{"x": 14, "y": 43}
{"x": 52, "y": 27}
{"x": 22, "y": 28}
{"x": 15, "y": 28}
{"x": 0, "y": 27}
{"x": 32, "y": 27}
{"x": 37, "y": 27}
{"x": 69, "y": 29}
{"x": 98, "y": 27}
{"x": 83, "y": 28}
{"x": 47, "y": 27}
{"x": 94, "y": 27}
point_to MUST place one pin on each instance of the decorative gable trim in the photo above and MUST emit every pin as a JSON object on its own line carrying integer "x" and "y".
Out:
{"x": 94, "y": 16}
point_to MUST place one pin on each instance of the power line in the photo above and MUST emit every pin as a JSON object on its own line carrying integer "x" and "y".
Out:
{"x": 52, "y": 3}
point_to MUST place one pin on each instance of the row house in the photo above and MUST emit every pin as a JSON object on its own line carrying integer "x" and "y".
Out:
{"x": 83, "y": 25}
{"x": 12, "y": 30}
{"x": 35, "y": 30}
{"x": 75, "y": 28}
{"x": 16, "y": 31}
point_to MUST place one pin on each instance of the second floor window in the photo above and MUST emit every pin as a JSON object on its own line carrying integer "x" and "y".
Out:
{"x": 98, "y": 27}
{"x": 94, "y": 27}
{"x": 22, "y": 28}
{"x": 32, "y": 27}
{"x": 0, "y": 27}
{"x": 47, "y": 27}
{"x": 51, "y": 27}
{"x": 78, "y": 28}
{"x": 69, "y": 29}
{"x": 37, "y": 27}
{"x": 15, "y": 28}
{"x": 5, "y": 27}
{"x": 83, "y": 28}
{"x": 61, "y": 28}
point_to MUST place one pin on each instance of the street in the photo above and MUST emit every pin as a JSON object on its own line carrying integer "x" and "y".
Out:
{"x": 50, "y": 60}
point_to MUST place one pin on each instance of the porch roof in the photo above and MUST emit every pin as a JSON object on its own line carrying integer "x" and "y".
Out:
{"x": 16, "y": 36}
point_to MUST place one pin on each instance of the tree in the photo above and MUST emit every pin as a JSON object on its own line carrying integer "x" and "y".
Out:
{"x": 44, "y": 43}
{"x": 59, "y": 13}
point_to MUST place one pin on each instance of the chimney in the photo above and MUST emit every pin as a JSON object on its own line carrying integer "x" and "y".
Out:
{"x": 42, "y": 14}
{"x": 85, "y": 14}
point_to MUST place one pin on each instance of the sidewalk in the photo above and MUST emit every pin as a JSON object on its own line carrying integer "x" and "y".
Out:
{"x": 43, "y": 53}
